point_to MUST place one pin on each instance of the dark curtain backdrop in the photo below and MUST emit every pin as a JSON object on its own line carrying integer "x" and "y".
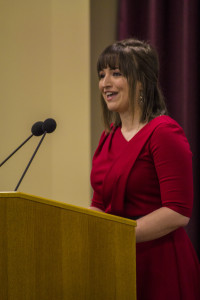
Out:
{"x": 172, "y": 26}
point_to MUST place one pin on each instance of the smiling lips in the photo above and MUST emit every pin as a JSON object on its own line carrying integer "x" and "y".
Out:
{"x": 109, "y": 95}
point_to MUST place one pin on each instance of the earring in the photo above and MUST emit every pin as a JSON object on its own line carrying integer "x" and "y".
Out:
{"x": 141, "y": 98}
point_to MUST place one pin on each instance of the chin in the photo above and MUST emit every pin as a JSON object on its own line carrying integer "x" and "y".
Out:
{"x": 112, "y": 108}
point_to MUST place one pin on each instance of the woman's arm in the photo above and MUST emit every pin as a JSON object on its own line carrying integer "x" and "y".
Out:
{"x": 95, "y": 208}
{"x": 173, "y": 163}
{"x": 156, "y": 224}
{"x": 159, "y": 223}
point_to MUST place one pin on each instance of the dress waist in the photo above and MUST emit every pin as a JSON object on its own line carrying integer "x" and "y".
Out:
{"x": 134, "y": 217}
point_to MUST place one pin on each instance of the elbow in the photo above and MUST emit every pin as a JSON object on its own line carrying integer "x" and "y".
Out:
{"x": 179, "y": 220}
{"x": 184, "y": 221}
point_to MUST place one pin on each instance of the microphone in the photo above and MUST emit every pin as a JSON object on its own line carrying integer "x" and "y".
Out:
{"x": 48, "y": 126}
{"x": 36, "y": 130}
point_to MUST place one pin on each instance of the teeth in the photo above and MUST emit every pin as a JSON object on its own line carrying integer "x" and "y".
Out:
{"x": 109, "y": 94}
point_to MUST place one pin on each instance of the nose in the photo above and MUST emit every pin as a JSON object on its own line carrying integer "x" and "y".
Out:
{"x": 106, "y": 81}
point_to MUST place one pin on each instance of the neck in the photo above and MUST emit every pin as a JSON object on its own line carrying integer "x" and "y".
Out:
{"x": 131, "y": 125}
{"x": 129, "y": 121}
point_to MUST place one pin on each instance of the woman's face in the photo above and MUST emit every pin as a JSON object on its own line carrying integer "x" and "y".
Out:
{"x": 115, "y": 90}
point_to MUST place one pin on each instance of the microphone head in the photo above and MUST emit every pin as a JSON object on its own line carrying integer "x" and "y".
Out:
{"x": 49, "y": 125}
{"x": 37, "y": 129}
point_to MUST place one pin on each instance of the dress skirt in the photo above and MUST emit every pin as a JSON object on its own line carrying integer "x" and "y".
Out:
{"x": 167, "y": 268}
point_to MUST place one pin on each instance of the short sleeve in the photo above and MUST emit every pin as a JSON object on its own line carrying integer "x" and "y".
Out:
{"x": 173, "y": 162}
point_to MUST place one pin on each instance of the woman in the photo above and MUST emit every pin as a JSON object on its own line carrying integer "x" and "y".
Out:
{"x": 142, "y": 169}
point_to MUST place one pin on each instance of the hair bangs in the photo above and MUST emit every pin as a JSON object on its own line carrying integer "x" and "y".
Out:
{"x": 108, "y": 59}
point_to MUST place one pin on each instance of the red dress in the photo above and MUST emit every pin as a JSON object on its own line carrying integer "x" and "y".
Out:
{"x": 132, "y": 179}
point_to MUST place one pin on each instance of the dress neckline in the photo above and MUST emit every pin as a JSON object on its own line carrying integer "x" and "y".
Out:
{"x": 137, "y": 133}
{"x": 141, "y": 130}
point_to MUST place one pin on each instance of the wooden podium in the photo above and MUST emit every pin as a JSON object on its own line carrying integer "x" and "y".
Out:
{"x": 54, "y": 251}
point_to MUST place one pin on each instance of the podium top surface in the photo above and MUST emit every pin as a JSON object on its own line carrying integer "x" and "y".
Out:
{"x": 19, "y": 195}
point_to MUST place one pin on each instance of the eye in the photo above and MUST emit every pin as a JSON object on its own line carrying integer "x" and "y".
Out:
{"x": 117, "y": 73}
{"x": 101, "y": 75}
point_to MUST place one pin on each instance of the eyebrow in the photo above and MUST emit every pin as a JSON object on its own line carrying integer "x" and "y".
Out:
{"x": 114, "y": 68}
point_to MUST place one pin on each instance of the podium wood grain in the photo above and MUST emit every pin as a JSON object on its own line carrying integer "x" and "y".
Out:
{"x": 51, "y": 250}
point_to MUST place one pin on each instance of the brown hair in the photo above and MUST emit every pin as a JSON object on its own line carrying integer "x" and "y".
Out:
{"x": 137, "y": 61}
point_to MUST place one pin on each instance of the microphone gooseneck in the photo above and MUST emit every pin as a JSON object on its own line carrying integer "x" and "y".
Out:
{"x": 24, "y": 173}
{"x": 36, "y": 130}
{"x": 48, "y": 126}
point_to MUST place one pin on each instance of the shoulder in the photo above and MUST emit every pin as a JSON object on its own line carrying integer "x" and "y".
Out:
{"x": 105, "y": 134}
{"x": 165, "y": 122}
{"x": 167, "y": 126}
{"x": 105, "y": 140}
{"x": 169, "y": 135}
